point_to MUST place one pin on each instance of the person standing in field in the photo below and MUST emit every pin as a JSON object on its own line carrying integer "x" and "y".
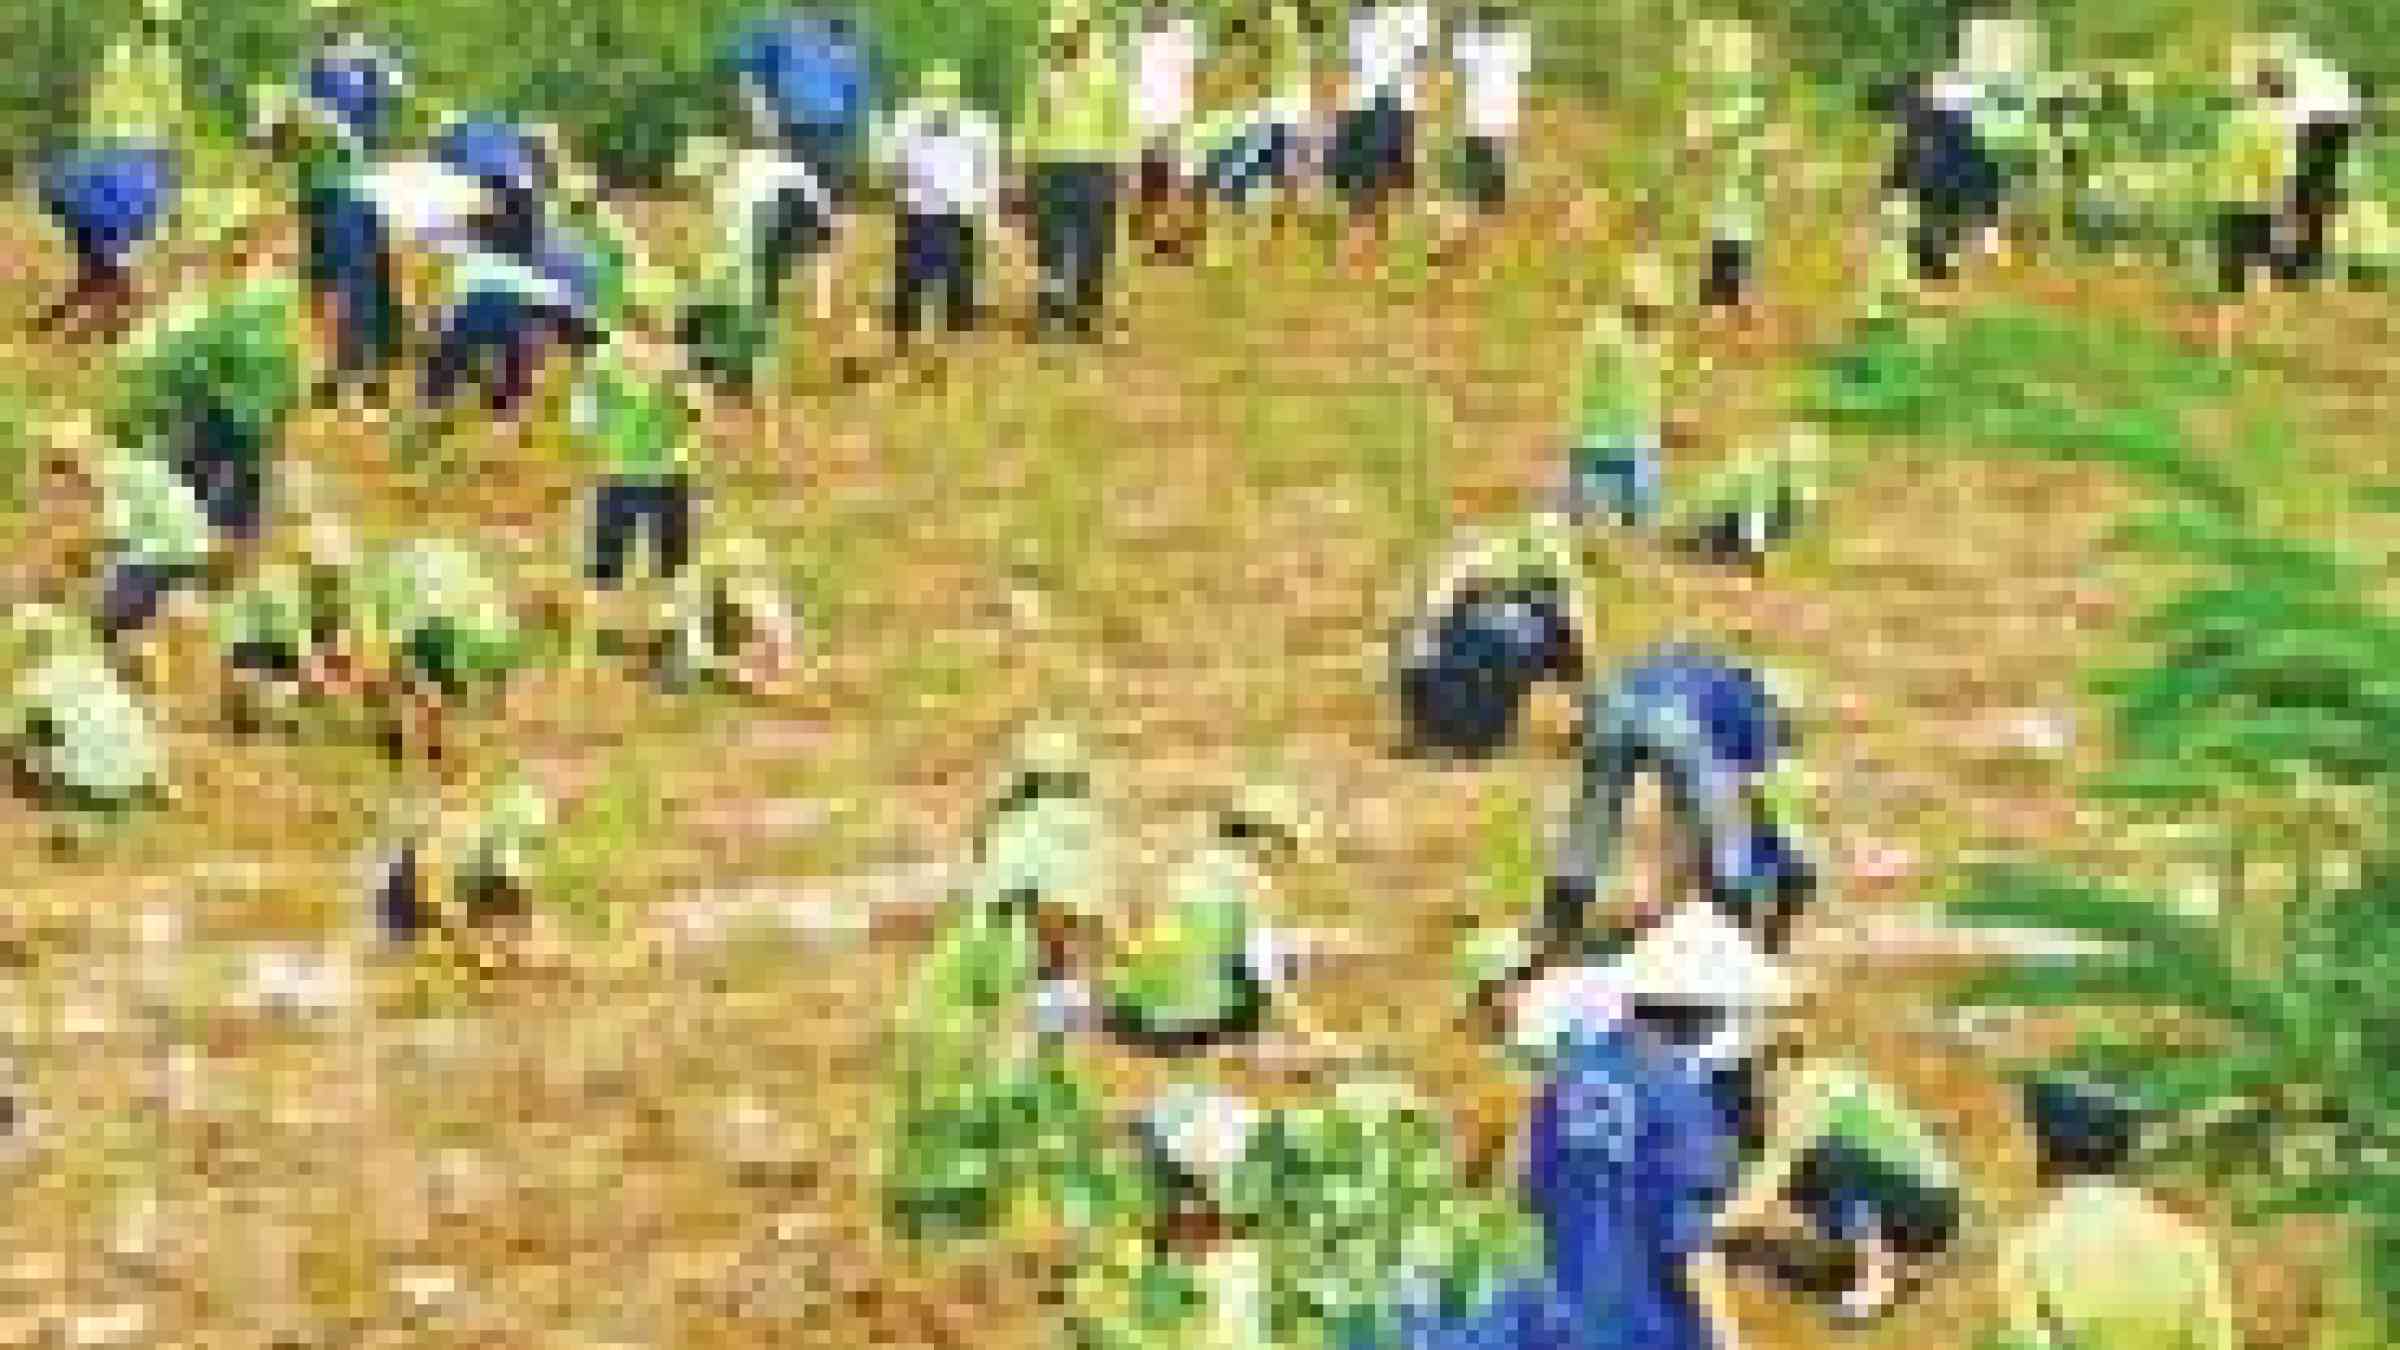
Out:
{"x": 634, "y": 411}
{"x": 807, "y": 80}
{"x": 1490, "y": 57}
{"x": 946, "y": 157}
{"x": 2250, "y": 175}
{"x": 1072, "y": 144}
{"x": 1728, "y": 128}
{"x": 1374, "y": 150}
{"x": 771, "y": 211}
{"x": 1620, "y": 404}
{"x": 2325, "y": 110}
{"x": 1167, "y": 52}
{"x": 2103, "y": 1264}
{"x": 345, "y": 106}
{"x": 112, "y": 191}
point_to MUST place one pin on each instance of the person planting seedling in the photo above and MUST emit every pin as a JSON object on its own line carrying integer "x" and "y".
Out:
{"x": 1754, "y": 503}
{"x": 1876, "y": 1195}
{"x": 436, "y": 630}
{"x": 1628, "y": 1154}
{"x": 76, "y": 738}
{"x": 461, "y": 865}
{"x": 210, "y": 384}
{"x": 156, "y": 530}
{"x": 1713, "y": 733}
{"x": 993, "y": 1116}
{"x": 2102, "y": 1263}
{"x": 114, "y": 188}
{"x": 287, "y": 633}
{"x": 730, "y": 621}
{"x": 1189, "y": 978}
{"x": 1505, "y": 617}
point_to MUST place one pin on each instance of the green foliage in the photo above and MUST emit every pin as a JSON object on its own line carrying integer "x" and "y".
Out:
{"x": 1352, "y": 1199}
{"x": 2269, "y": 688}
{"x": 2025, "y": 381}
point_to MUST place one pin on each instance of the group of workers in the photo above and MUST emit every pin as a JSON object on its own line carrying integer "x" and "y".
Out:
{"x": 1672, "y": 1120}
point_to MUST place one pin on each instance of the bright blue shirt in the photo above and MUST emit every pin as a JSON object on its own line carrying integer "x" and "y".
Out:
{"x": 1630, "y": 1158}
{"x": 811, "y": 74}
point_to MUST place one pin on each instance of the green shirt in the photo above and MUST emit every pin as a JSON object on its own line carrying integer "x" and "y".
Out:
{"x": 150, "y": 513}
{"x": 98, "y": 737}
{"x": 137, "y": 94}
{"x": 236, "y": 351}
{"x": 272, "y": 610}
{"x": 1079, "y": 112}
{"x": 430, "y": 581}
{"x": 640, "y": 427}
{"x": 1857, "y": 1110}
{"x": 1620, "y": 390}
{"x": 1736, "y": 111}
{"x": 2104, "y": 1268}
{"x": 610, "y": 248}
{"x": 1050, "y": 846}
{"x": 2254, "y": 159}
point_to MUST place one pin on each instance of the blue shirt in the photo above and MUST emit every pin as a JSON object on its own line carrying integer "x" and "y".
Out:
{"x": 811, "y": 74}
{"x": 1727, "y": 702}
{"x": 1630, "y": 1157}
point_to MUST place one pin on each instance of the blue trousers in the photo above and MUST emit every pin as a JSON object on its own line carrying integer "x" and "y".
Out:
{"x": 1617, "y": 480}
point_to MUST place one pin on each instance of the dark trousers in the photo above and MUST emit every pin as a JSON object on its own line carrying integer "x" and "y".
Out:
{"x": 2316, "y": 196}
{"x": 936, "y": 258}
{"x": 623, "y": 509}
{"x": 1074, "y": 233}
{"x": 1728, "y": 281}
{"x": 218, "y": 454}
{"x": 350, "y": 263}
{"x": 493, "y": 337}
{"x": 134, "y": 593}
{"x": 830, "y": 151}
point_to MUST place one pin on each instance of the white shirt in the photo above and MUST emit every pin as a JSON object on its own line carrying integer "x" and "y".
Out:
{"x": 1163, "y": 62}
{"x": 754, "y": 179}
{"x": 2321, "y": 91}
{"x": 945, "y": 171}
{"x": 1492, "y": 67}
{"x": 1387, "y": 47}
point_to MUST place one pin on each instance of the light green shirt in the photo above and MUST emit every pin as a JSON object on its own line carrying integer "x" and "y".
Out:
{"x": 2104, "y": 1268}
{"x": 436, "y": 580}
{"x": 104, "y": 743}
{"x": 1736, "y": 112}
{"x": 2254, "y": 159}
{"x": 639, "y": 427}
{"x": 150, "y": 512}
{"x": 271, "y": 609}
{"x": 1080, "y": 112}
{"x": 1620, "y": 395}
{"x": 1850, "y": 1106}
{"x": 137, "y": 94}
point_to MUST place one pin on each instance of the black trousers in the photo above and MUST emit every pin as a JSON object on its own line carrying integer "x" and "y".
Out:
{"x": 2316, "y": 196}
{"x": 936, "y": 259}
{"x": 1074, "y": 235}
{"x": 623, "y": 508}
